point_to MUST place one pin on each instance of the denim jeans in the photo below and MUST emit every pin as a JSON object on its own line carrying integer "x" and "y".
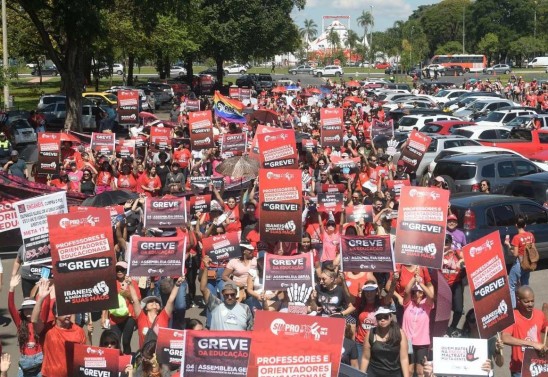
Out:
{"x": 29, "y": 362}
{"x": 517, "y": 278}
{"x": 516, "y": 374}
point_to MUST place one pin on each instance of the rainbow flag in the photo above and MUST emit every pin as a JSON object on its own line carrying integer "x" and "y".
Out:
{"x": 228, "y": 109}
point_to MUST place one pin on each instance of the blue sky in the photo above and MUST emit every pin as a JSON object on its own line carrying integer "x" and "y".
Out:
{"x": 385, "y": 12}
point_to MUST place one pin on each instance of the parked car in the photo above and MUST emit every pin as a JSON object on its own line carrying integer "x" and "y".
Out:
{"x": 382, "y": 65}
{"x": 446, "y": 95}
{"x": 395, "y": 69}
{"x": 265, "y": 81}
{"x": 329, "y": 70}
{"x": 176, "y": 70}
{"x": 498, "y": 69}
{"x": 459, "y": 101}
{"x": 463, "y": 173}
{"x": 45, "y": 71}
{"x": 525, "y": 141}
{"x": 48, "y": 99}
{"x": 482, "y": 107}
{"x": 444, "y": 127}
{"x": 21, "y": 132}
{"x": 247, "y": 81}
{"x": 397, "y": 86}
{"x": 103, "y": 98}
{"x": 503, "y": 116}
{"x": 453, "y": 70}
{"x": 533, "y": 186}
{"x": 415, "y": 71}
{"x": 56, "y": 113}
{"x": 117, "y": 69}
{"x": 480, "y": 132}
{"x": 524, "y": 120}
{"x": 480, "y": 214}
{"x": 408, "y": 122}
{"x": 235, "y": 69}
{"x": 305, "y": 68}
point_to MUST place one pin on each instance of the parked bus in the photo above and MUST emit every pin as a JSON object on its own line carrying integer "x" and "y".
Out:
{"x": 470, "y": 63}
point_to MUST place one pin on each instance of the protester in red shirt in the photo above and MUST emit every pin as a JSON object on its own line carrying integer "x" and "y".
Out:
{"x": 150, "y": 183}
{"x": 56, "y": 334}
{"x": 125, "y": 179}
{"x": 452, "y": 270}
{"x": 526, "y": 330}
{"x": 149, "y": 310}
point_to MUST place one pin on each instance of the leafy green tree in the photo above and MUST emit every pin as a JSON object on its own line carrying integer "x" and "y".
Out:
{"x": 334, "y": 40}
{"x": 366, "y": 21}
{"x": 489, "y": 46}
{"x": 445, "y": 18}
{"x": 352, "y": 41}
{"x": 451, "y": 47}
{"x": 308, "y": 32}
{"x": 527, "y": 48}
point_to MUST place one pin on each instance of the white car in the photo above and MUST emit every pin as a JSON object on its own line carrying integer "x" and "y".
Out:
{"x": 177, "y": 70}
{"x": 471, "y": 149}
{"x": 446, "y": 95}
{"x": 329, "y": 70}
{"x": 408, "y": 122}
{"x": 502, "y": 117}
{"x": 485, "y": 132}
{"x": 117, "y": 69}
{"x": 483, "y": 107}
{"x": 235, "y": 69}
{"x": 434, "y": 67}
{"x": 21, "y": 132}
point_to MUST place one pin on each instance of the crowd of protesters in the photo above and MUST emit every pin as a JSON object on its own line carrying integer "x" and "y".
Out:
{"x": 387, "y": 314}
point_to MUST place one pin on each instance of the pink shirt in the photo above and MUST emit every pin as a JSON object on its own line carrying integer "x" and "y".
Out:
{"x": 330, "y": 246}
{"x": 416, "y": 322}
{"x": 241, "y": 270}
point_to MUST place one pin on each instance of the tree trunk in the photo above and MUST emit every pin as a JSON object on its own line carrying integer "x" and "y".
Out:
{"x": 220, "y": 73}
{"x": 72, "y": 81}
{"x": 167, "y": 66}
{"x": 130, "y": 63}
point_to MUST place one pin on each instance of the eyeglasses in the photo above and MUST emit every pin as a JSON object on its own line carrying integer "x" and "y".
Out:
{"x": 381, "y": 317}
{"x": 229, "y": 294}
{"x": 121, "y": 270}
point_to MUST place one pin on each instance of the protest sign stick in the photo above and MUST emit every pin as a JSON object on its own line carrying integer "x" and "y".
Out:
{"x": 545, "y": 311}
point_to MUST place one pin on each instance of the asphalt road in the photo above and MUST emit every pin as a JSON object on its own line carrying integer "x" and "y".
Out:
{"x": 8, "y": 331}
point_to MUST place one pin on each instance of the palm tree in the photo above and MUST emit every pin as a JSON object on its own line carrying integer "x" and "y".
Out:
{"x": 352, "y": 39}
{"x": 366, "y": 21}
{"x": 308, "y": 32}
{"x": 333, "y": 39}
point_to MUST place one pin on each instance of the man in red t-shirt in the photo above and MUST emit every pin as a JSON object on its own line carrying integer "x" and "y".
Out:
{"x": 149, "y": 310}
{"x": 526, "y": 330}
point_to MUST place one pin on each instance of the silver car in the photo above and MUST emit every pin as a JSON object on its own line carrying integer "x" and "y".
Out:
{"x": 498, "y": 69}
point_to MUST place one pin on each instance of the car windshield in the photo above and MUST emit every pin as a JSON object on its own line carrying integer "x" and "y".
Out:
{"x": 519, "y": 121}
{"x": 457, "y": 171}
{"x": 520, "y": 135}
{"x": 464, "y": 133}
{"x": 442, "y": 93}
{"x": 443, "y": 154}
{"x": 494, "y": 117}
{"x": 111, "y": 97}
{"x": 407, "y": 122}
{"x": 433, "y": 128}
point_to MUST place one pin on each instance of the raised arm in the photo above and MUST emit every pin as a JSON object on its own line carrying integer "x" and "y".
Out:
{"x": 173, "y": 295}
{"x": 134, "y": 297}
{"x": 44, "y": 290}
{"x": 203, "y": 279}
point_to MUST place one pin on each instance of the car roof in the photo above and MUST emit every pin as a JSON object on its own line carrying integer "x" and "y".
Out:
{"x": 478, "y": 198}
{"x": 536, "y": 177}
{"x": 483, "y": 127}
{"x": 449, "y": 123}
{"x": 478, "y": 149}
{"x": 465, "y": 158}
{"x": 447, "y": 137}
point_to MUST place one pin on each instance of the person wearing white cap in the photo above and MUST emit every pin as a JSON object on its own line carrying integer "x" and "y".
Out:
{"x": 385, "y": 351}
{"x": 418, "y": 302}
{"x": 31, "y": 356}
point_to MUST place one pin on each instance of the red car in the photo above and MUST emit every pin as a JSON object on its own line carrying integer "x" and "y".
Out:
{"x": 444, "y": 127}
{"x": 382, "y": 65}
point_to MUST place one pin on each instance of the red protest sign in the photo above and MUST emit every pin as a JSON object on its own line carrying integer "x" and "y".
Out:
{"x": 224, "y": 352}
{"x": 151, "y": 256}
{"x": 234, "y": 92}
{"x": 278, "y": 150}
{"x": 308, "y": 144}
{"x": 332, "y": 131}
{"x": 192, "y": 104}
{"x": 357, "y": 212}
{"x": 280, "y": 201}
{"x": 346, "y": 165}
{"x": 128, "y": 106}
{"x": 281, "y": 271}
{"x": 170, "y": 346}
{"x": 396, "y": 185}
{"x": 414, "y": 150}
{"x": 420, "y": 231}
{"x": 534, "y": 364}
{"x": 199, "y": 203}
{"x": 125, "y": 148}
{"x": 330, "y": 202}
{"x": 488, "y": 280}
{"x": 160, "y": 138}
{"x": 233, "y": 144}
{"x": 201, "y": 130}
{"x": 8, "y": 215}
{"x": 102, "y": 143}
{"x": 261, "y": 129}
{"x": 49, "y": 153}
{"x": 223, "y": 247}
{"x": 287, "y": 344}
{"x": 164, "y": 212}
{"x": 367, "y": 253}
{"x": 84, "y": 263}
{"x": 94, "y": 361}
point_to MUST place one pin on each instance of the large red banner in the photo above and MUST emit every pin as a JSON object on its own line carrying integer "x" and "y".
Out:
{"x": 414, "y": 150}
{"x": 160, "y": 138}
{"x": 367, "y": 253}
{"x": 233, "y": 144}
{"x": 95, "y": 361}
{"x": 332, "y": 130}
{"x": 151, "y": 256}
{"x": 486, "y": 271}
{"x": 278, "y": 150}
{"x": 49, "y": 153}
{"x": 164, "y": 212}
{"x": 286, "y": 345}
{"x": 170, "y": 346}
{"x": 216, "y": 353}
{"x": 201, "y": 130}
{"x": 103, "y": 144}
{"x": 280, "y": 200}
{"x": 281, "y": 271}
{"x": 128, "y": 106}
{"x": 223, "y": 247}
{"x": 84, "y": 263}
{"x": 420, "y": 231}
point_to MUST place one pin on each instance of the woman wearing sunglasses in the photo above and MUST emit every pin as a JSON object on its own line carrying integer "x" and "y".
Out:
{"x": 385, "y": 350}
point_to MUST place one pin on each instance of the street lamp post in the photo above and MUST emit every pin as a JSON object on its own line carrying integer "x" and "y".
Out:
{"x": 372, "y": 57}
{"x": 463, "y": 25}
{"x": 5, "y": 53}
